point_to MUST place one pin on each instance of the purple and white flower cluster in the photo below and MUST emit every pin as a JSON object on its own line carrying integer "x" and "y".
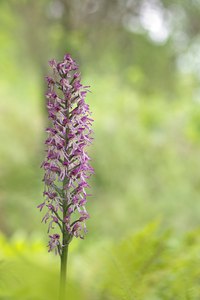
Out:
{"x": 66, "y": 165}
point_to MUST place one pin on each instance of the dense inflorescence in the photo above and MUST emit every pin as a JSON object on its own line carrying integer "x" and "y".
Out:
{"x": 66, "y": 164}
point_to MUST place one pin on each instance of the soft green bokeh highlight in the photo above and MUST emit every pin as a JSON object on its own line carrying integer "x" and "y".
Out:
{"x": 143, "y": 241}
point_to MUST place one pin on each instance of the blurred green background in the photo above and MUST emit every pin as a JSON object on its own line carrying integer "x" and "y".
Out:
{"x": 142, "y": 60}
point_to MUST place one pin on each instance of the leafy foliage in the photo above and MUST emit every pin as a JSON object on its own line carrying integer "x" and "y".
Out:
{"x": 26, "y": 272}
{"x": 153, "y": 265}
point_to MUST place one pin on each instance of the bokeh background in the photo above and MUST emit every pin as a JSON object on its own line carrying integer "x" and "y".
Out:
{"x": 142, "y": 60}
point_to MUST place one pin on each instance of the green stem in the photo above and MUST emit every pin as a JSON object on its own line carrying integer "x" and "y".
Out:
{"x": 64, "y": 253}
{"x": 63, "y": 271}
{"x": 65, "y": 240}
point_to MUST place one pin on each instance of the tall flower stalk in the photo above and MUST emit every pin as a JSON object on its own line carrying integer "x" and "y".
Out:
{"x": 66, "y": 165}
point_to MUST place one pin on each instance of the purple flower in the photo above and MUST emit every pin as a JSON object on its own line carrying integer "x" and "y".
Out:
{"x": 54, "y": 242}
{"x": 66, "y": 165}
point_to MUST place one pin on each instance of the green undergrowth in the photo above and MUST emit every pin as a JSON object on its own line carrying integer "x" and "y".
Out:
{"x": 152, "y": 264}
